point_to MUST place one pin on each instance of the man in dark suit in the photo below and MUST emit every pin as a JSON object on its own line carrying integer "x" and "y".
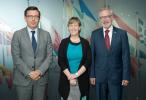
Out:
{"x": 110, "y": 69}
{"x": 32, "y": 55}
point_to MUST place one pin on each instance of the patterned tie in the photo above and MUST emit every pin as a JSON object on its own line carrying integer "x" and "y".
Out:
{"x": 107, "y": 39}
{"x": 34, "y": 43}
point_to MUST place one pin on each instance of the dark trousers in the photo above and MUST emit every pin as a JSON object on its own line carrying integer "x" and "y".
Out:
{"x": 104, "y": 91}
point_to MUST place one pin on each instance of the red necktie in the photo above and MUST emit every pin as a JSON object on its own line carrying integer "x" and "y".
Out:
{"x": 107, "y": 39}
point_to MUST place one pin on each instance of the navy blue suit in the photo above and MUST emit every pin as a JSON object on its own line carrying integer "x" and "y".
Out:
{"x": 110, "y": 67}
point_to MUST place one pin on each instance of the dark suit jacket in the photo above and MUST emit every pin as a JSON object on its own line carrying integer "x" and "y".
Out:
{"x": 24, "y": 58}
{"x": 64, "y": 85}
{"x": 110, "y": 65}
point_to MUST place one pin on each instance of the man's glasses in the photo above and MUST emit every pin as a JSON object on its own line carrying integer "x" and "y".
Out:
{"x": 33, "y": 17}
{"x": 105, "y": 17}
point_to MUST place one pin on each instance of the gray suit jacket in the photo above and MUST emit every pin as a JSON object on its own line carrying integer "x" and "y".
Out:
{"x": 24, "y": 58}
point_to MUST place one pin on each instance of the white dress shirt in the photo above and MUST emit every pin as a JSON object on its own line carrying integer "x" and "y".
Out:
{"x": 30, "y": 33}
{"x": 110, "y": 32}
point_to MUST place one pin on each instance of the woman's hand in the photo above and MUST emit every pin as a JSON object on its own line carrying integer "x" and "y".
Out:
{"x": 73, "y": 82}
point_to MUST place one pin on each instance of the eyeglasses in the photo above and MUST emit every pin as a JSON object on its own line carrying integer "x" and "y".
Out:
{"x": 33, "y": 17}
{"x": 105, "y": 17}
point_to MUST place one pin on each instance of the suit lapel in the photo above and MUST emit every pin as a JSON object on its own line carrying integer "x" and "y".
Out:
{"x": 101, "y": 35}
{"x": 27, "y": 39}
{"x": 38, "y": 41}
{"x": 114, "y": 35}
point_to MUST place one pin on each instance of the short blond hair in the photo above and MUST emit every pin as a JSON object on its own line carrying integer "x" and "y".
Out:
{"x": 74, "y": 19}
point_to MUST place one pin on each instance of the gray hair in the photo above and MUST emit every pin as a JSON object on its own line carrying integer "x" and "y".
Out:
{"x": 102, "y": 9}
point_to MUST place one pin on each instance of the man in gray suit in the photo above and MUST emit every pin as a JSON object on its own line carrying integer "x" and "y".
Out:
{"x": 32, "y": 56}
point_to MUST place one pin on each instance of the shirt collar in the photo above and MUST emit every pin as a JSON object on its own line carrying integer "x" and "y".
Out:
{"x": 110, "y": 28}
{"x": 29, "y": 29}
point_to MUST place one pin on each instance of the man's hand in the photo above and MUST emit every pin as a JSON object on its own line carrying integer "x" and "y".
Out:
{"x": 35, "y": 75}
{"x": 92, "y": 81}
{"x": 125, "y": 82}
{"x": 31, "y": 74}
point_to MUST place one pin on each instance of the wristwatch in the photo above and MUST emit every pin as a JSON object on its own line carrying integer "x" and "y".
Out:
{"x": 76, "y": 74}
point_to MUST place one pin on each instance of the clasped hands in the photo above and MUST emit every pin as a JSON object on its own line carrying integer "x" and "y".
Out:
{"x": 35, "y": 75}
{"x": 72, "y": 79}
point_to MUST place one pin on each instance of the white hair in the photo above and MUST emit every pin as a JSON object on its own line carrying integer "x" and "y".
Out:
{"x": 110, "y": 10}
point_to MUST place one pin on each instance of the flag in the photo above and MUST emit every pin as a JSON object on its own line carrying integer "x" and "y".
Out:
{"x": 57, "y": 41}
{"x": 6, "y": 33}
{"x": 142, "y": 54}
{"x": 68, "y": 7}
{"x": 141, "y": 30}
{"x": 140, "y": 22}
{"x": 8, "y": 49}
{"x": 0, "y": 38}
{"x": 86, "y": 23}
{"x": 134, "y": 66}
{"x": 124, "y": 26}
{"x": 145, "y": 37}
{"x": 84, "y": 9}
{"x": 1, "y": 80}
{"x": 79, "y": 13}
{"x": 133, "y": 50}
{"x": 145, "y": 32}
{"x": 9, "y": 81}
